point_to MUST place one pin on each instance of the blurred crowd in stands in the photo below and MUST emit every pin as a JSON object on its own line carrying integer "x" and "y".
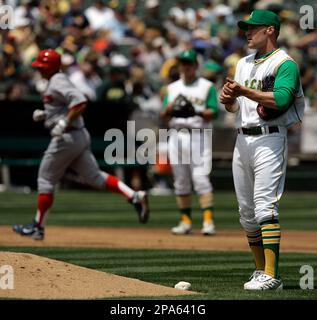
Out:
{"x": 124, "y": 51}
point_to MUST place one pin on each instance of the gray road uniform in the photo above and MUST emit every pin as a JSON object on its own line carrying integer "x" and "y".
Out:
{"x": 72, "y": 148}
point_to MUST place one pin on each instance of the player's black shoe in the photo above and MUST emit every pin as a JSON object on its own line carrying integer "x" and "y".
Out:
{"x": 32, "y": 230}
{"x": 141, "y": 205}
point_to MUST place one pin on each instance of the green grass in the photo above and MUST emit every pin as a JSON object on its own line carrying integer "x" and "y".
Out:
{"x": 82, "y": 208}
{"x": 216, "y": 275}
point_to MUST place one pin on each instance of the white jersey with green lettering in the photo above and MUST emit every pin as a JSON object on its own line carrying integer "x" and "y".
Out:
{"x": 260, "y": 156}
{"x": 251, "y": 73}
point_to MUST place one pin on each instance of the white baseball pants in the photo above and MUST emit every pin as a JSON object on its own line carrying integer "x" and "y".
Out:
{"x": 259, "y": 169}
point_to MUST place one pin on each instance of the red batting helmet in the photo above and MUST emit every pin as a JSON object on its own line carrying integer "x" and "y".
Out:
{"x": 48, "y": 60}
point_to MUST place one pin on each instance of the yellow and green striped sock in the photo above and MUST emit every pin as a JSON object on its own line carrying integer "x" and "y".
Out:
{"x": 184, "y": 205}
{"x": 186, "y": 215}
{"x": 208, "y": 214}
{"x": 256, "y": 246}
{"x": 206, "y": 202}
{"x": 271, "y": 235}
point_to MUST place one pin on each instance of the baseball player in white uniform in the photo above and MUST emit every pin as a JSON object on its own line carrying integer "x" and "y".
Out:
{"x": 201, "y": 95}
{"x": 69, "y": 147}
{"x": 267, "y": 98}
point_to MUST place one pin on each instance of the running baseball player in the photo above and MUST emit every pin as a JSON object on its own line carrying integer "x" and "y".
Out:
{"x": 69, "y": 147}
{"x": 267, "y": 98}
{"x": 191, "y": 103}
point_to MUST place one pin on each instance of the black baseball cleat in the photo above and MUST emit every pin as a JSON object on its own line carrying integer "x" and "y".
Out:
{"x": 141, "y": 205}
{"x": 32, "y": 230}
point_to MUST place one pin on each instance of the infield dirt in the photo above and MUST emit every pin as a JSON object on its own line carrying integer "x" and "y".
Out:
{"x": 224, "y": 240}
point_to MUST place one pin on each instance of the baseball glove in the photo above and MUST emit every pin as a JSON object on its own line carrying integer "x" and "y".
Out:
{"x": 266, "y": 113}
{"x": 182, "y": 108}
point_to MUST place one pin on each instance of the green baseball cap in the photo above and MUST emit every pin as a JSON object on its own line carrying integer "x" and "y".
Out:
{"x": 211, "y": 65}
{"x": 189, "y": 55}
{"x": 261, "y": 17}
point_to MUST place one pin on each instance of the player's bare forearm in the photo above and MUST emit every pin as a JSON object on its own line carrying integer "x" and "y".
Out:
{"x": 229, "y": 102}
{"x": 264, "y": 98}
{"x": 76, "y": 111}
{"x": 232, "y": 107}
{"x": 233, "y": 89}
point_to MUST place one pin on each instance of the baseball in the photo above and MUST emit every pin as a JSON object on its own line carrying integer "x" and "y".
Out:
{"x": 183, "y": 285}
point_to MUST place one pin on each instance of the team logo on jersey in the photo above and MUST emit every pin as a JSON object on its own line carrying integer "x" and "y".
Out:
{"x": 48, "y": 99}
{"x": 253, "y": 84}
{"x": 196, "y": 101}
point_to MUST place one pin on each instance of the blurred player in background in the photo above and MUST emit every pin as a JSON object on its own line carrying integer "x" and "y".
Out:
{"x": 201, "y": 95}
{"x": 69, "y": 149}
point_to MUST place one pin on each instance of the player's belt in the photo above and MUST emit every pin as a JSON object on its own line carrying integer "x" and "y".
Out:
{"x": 255, "y": 131}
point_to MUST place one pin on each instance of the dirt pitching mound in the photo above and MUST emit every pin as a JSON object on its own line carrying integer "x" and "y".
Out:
{"x": 37, "y": 277}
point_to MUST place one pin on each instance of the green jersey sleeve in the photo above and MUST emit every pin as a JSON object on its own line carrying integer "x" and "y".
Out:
{"x": 165, "y": 101}
{"x": 286, "y": 84}
{"x": 212, "y": 101}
